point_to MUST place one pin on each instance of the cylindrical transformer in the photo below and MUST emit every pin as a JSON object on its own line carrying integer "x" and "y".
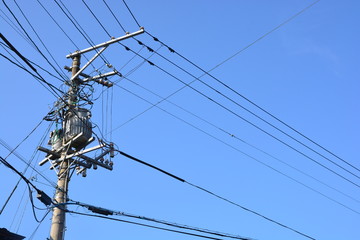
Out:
{"x": 77, "y": 123}
{"x": 56, "y": 137}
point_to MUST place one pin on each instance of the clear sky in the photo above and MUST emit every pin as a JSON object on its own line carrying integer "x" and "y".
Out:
{"x": 305, "y": 73}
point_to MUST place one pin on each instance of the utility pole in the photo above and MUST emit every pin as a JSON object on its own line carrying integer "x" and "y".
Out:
{"x": 73, "y": 133}
{"x": 58, "y": 219}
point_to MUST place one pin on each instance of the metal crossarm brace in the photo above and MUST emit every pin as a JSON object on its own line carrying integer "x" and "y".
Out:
{"x": 129, "y": 35}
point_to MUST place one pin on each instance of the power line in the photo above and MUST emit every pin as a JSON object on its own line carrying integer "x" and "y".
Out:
{"x": 247, "y": 155}
{"x": 37, "y": 48}
{"x": 116, "y": 19}
{"x": 59, "y": 26}
{"x": 234, "y": 137}
{"x": 131, "y": 13}
{"x": 144, "y": 225}
{"x": 245, "y": 98}
{"x": 27, "y": 20}
{"x": 3, "y": 143}
{"x": 41, "y": 195}
{"x": 78, "y": 27}
{"x": 107, "y": 212}
{"x": 16, "y": 28}
{"x": 204, "y": 95}
{"x": 242, "y": 118}
{"x": 249, "y": 111}
{"x": 213, "y": 194}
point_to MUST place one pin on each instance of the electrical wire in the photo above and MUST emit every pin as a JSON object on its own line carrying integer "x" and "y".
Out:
{"x": 78, "y": 27}
{"x": 250, "y": 157}
{"x": 144, "y": 225}
{"x": 105, "y": 211}
{"x": 215, "y": 195}
{"x": 112, "y": 13}
{"x": 63, "y": 31}
{"x": 228, "y": 133}
{"x": 3, "y": 143}
{"x": 15, "y": 28}
{"x": 245, "y": 98}
{"x": 244, "y": 119}
{"x": 43, "y": 44}
{"x": 37, "y": 227}
{"x": 251, "y": 112}
{"x": 131, "y": 13}
{"x": 37, "y": 48}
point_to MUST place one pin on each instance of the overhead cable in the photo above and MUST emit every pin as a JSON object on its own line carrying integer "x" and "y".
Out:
{"x": 244, "y": 119}
{"x": 218, "y": 196}
{"x": 104, "y": 211}
{"x": 37, "y": 48}
{"x": 131, "y": 13}
{"x": 234, "y": 137}
{"x": 145, "y": 225}
{"x": 247, "y": 99}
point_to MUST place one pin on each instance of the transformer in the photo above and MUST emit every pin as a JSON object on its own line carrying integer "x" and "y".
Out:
{"x": 56, "y": 137}
{"x": 77, "y": 124}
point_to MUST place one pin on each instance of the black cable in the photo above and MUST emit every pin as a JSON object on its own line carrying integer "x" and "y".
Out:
{"x": 244, "y": 119}
{"x": 16, "y": 28}
{"x": 40, "y": 80}
{"x": 249, "y": 111}
{"x": 7, "y": 164}
{"x": 131, "y": 13}
{"x": 105, "y": 211}
{"x": 245, "y": 154}
{"x": 259, "y": 107}
{"x": 38, "y": 77}
{"x": 237, "y": 138}
{"x": 218, "y": 196}
{"x": 57, "y": 24}
{"x": 144, "y": 225}
{"x": 112, "y": 13}
{"x": 82, "y": 32}
{"x": 64, "y": 75}
{"x": 41, "y": 53}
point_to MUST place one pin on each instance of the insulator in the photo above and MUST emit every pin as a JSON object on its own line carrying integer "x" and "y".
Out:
{"x": 111, "y": 163}
{"x": 112, "y": 154}
{"x": 94, "y": 166}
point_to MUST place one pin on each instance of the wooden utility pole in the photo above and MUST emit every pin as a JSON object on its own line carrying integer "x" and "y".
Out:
{"x": 57, "y": 231}
{"x": 68, "y": 144}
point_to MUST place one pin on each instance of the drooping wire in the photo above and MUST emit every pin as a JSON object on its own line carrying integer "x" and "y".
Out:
{"x": 216, "y": 195}
{"x": 5, "y": 145}
{"x": 144, "y": 225}
{"x": 250, "y": 112}
{"x": 245, "y": 98}
{"x": 105, "y": 211}
{"x": 244, "y": 119}
{"x": 237, "y": 138}
{"x": 37, "y": 227}
{"x": 245, "y": 154}
{"x": 52, "y": 183}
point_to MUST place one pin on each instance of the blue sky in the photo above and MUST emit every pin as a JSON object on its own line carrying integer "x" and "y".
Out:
{"x": 305, "y": 73}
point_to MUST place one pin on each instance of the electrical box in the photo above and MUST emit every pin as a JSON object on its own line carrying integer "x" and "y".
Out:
{"x": 77, "y": 124}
